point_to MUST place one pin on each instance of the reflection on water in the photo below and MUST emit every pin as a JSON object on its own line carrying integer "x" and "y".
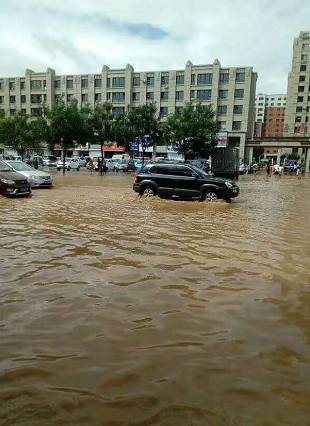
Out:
{"x": 116, "y": 310}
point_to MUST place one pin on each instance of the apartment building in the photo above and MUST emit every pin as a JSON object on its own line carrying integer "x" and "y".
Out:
{"x": 263, "y": 101}
{"x": 274, "y": 122}
{"x": 231, "y": 91}
{"x": 298, "y": 91}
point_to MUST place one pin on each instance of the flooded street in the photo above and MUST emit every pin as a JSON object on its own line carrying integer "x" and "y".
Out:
{"x": 116, "y": 310}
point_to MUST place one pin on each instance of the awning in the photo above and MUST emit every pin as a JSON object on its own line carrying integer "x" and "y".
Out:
{"x": 113, "y": 149}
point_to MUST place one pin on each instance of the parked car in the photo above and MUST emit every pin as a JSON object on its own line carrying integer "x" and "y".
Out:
{"x": 138, "y": 165}
{"x": 82, "y": 161}
{"x": 12, "y": 183}
{"x": 125, "y": 166}
{"x": 50, "y": 161}
{"x": 183, "y": 181}
{"x": 243, "y": 169}
{"x": 36, "y": 178}
{"x": 70, "y": 164}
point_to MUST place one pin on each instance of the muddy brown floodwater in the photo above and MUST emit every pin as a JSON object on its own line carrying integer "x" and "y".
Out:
{"x": 116, "y": 310}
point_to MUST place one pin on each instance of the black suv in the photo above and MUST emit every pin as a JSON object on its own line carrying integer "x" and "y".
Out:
{"x": 183, "y": 181}
{"x": 12, "y": 183}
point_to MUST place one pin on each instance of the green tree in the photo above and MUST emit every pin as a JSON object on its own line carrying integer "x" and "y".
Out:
{"x": 104, "y": 125}
{"x": 193, "y": 131}
{"x": 68, "y": 126}
{"x": 143, "y": 121}
{"x": 23, "y": 134}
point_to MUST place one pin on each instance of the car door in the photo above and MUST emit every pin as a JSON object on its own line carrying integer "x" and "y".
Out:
{"x": 186, "y": 182}
{"x": 163, "y": 175}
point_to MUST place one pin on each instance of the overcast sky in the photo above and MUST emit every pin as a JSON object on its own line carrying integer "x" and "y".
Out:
{"x": 79, "y": 36}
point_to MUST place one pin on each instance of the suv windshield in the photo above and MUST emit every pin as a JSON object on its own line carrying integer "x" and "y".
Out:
{"x": 20, "y": 166}
{"x": 4, "y": 167}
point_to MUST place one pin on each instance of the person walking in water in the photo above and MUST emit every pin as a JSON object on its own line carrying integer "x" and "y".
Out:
{"x": 268, "y": 170}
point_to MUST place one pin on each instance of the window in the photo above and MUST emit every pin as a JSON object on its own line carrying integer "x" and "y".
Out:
{"x": 238, "y": 109}
{"x": 240, "y": 77}
{"x": 35, "y": 99}
{"x": 97, "y": 97}
{"x": 222, "y": 109}
{"x": 179, "y": 79}
{"x": 260, "y": 99}
{"x": 307, "y": 109}
{"x": 183, "y": 171}
{"x": 117, "y": 111}
{"x": 300, "y": 98}
{"x": 1, "y": 99}
{"x": 23, "y": 111}
{"x": 108, "y": 82}
{"x": 84, "y": 97}
{"x": 301, "y": 88}
{"x": 118, "y": 97}
{"x": 223, "y": 94}
{"x": 164, "y": 96}
{"x": 193, "y": 94}
{"x": 299, "y": 109}
{"x": 303, "y": 68}
{"x": 84, "y": 83}
{"x": 109, "y": 96}
{"x": 239, "y": 93}
{"x": 164, "y": 80}
{"x": 12, "y": 111}
{"x": 261, "y": 104}
{"x": 272, "y": 104}
{"x": 70, "y": 98}
{"x": 179, "y": 95}
{"x": 163, "y": 111}
{"x": 149, "y": 96}
{"x": 279, "y": 104}
{"x": 136, "y": 96}
{"x": 307, "y": 119}
{"x": 57, "y": 84}
{"x": 12, "y": 85}
{"x": 224, "y": 77}
{"x": 204, "y": 95}
{"x": 204, "y": 78}
{"x": 150, "y": 80}
{"x": 304, "y": 58}
{"x": 58, "y": 98}
{"x": 298, "y": 119}
{"x": 236, "y": 125}
{"x": 178, "y": 109}
{"x": 1, "y": 85}
{"x": 302, "y": 78}
{"x": 22, "y": 85}
{"x": 12, "y": 99}
{"x": 118, "y": 81}
{"x": 98, "y": 82}
{"x": 136, "y": 81}
{"x": 193, "y": 79}
{"x": 35, "y": 84}
{"x": 222, "y": 124}
{"x": 36, "y": 112}
{"x": 69, "y": 84}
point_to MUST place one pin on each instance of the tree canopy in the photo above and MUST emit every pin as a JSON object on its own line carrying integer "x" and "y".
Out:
{"x": 193, "y": 131}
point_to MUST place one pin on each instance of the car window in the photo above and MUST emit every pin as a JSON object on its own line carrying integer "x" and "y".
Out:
{"x": 165, "y": 170}
{"x": 20, "y": 166}
{"x": 4, "y": 167}
{"x": 183, "y": 171}
{"x": 152, "y": 169}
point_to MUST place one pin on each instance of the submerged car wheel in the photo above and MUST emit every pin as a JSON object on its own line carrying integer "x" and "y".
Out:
{"x": 147, "y": 191}
{"x": 210, "y": 196}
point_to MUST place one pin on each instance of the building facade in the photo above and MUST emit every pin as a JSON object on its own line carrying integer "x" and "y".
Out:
{"x": 298, "y": 91}
{"x": 231, "y": 91}
{"x": 273, "y": 125}
{"x": 263, "y": 101}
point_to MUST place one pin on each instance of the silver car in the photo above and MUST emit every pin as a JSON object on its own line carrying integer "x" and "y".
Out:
{"x": 36, "y": 178}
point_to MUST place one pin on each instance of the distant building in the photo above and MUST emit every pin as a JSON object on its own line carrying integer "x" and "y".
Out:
{"x": 298, "y": 96}
{"x": 263, "y": 101}
{"x": 273, "y": 125}
{"x": 231, "y": 92}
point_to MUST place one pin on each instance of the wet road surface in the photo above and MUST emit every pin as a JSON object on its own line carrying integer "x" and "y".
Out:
{"x": 116, "y": 310}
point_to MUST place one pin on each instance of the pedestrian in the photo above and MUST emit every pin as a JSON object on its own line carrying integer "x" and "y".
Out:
{"x": 298, "y": 171}
{"x": 35, "y": 163}
{"x": 280, "y": 170}
{"x": 295, "y": 168}
{"x": 268, "y": 170}
{"x": 276, "y": 169}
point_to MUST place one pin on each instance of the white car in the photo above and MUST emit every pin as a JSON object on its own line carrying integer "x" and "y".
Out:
{"x": 36, "y": 178}
{"x": 70, "y": 164}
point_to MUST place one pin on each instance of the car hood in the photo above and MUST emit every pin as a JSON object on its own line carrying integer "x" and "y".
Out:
{"x": 11, "y": 175}
{"x": 37, "y": 173}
